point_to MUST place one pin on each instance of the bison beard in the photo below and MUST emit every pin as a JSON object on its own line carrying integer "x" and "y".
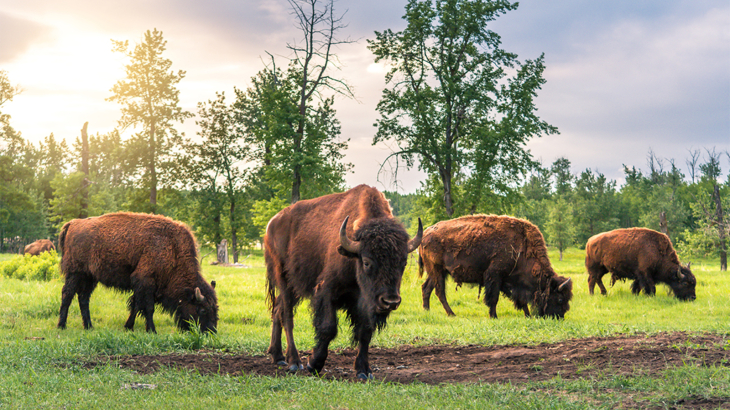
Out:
{"x": 310, "y": 255}
{"x": 153, "y": 256}
{"x": 501, "y": 254}
{"x": 643, "y": 255}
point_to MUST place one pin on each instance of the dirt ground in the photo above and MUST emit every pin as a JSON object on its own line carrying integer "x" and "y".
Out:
{"x": 571, "y": 359}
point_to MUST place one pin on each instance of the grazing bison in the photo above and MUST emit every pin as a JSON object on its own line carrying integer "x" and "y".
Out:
{"x": 313, "y": 252}
{"x": 153, "y": 256}
{"x": 641, "y": 254}
{"x": 38, "y": 247}
{"x": 499, "y": 253}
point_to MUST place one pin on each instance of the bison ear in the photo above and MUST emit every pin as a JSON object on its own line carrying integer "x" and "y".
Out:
{"x": 212, "y": 284}
{"x": 346, "y": 253}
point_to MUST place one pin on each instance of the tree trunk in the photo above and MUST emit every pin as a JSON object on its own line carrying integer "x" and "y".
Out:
{"x": 153, "y": 170}
{"x": 663, "y": 223}
{"x": 720, "y": 218}
{"x": 297, "y": 177}
{"x": 234, "y": 237}
{"x": 448, "y": 200}
{"x": 222, "y": 252}
{"x": 85, "y": 169}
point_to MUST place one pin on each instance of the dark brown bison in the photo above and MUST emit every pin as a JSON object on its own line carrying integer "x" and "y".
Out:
{"x": 151, "y": 255}
{"x": 38, "y": 247}
{"x": 313, "y": 252}
{"x": 641, "y": 254}
{"x": 499, "y": 253}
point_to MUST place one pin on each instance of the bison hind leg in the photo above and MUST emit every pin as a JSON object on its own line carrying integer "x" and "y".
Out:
{"x": 133, "y": 312}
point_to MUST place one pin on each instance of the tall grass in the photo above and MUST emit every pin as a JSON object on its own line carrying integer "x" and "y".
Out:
{"x": 39, "y": 365}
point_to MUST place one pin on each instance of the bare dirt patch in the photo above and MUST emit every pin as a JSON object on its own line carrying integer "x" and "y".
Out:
{"x": 571, "y": 359}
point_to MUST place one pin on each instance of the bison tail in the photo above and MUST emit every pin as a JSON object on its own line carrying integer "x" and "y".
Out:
{"x": 62, "y": 236}
{"x": 420, "y": 265}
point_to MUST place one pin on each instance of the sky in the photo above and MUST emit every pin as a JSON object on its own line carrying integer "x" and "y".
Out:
{"x": 623, "y": 77}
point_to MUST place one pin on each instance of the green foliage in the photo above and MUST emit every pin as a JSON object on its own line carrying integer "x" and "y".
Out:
{"x": 264, "y": 210}
{"x": 560, "y": 228}
{"x": 150, "y": 98}
{"x": 452, "y": 105}
{"x": 43, "y": 267}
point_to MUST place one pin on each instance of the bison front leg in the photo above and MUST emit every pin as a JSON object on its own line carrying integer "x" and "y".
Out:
{"x": 364, "y": 335}
{"x": 325, "y": 327}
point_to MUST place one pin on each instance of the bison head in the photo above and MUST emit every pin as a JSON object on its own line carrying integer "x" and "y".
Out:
{"x": 683, "y": 283}
{"x": 380, "y": 250}
{"x": 199, "y": 305}
{"x": 554, "y": 301}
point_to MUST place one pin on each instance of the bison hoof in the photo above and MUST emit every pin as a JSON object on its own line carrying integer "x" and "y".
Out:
{"x": 295, "y": 368}
{"x": 312, "y": 370}
{"x": 282, "y": 363}
{"x": 363, "y": 376}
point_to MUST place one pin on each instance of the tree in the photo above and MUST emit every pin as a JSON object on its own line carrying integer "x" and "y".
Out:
{"x": 563, "y": 177}
{"x": 560, "y": 228}
{"x": 216, "y": 161}
{"x": 150, "y": 98}
{"x": 451, "y": 103}
{"x": 9, "y": 138}
{"x": 595, "y": 204}
{"x": 294, "y": 165}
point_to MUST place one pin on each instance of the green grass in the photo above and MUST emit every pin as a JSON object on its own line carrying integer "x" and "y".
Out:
{"x": 39, "y": 365}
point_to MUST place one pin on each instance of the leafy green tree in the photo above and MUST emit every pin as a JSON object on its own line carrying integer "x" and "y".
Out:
{"x": 294, "y": 165}
{"x": 150, "y": 98}
{"x": 217, "y": 161}
{"x": 10, "y": 139}
{"x": 452, "y": 103}
{"x": 595, "y": 204}
{"x": 564, "y": 179}
{"x": 560, "y": 227}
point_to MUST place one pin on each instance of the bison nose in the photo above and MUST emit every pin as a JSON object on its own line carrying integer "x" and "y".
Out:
{"x": 389, "y": 302}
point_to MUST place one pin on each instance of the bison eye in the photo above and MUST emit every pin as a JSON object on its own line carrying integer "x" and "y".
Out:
{"x": 367, "y": 263}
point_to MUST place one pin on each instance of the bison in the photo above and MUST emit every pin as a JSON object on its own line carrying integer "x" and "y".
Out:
{"x": 151, "y": 255}
{"x": 641, "y": 254}
{"x": 499, "y": 253}
{"x": 313, "y": 251}
{"x": 38, "y": 247}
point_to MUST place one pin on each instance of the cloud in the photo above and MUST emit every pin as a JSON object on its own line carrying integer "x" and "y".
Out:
{"x": 17, "y": 35}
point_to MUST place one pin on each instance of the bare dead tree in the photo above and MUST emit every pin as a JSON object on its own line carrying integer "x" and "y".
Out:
{"x": 694, "y": 158}
{"x": 314, "y": 57}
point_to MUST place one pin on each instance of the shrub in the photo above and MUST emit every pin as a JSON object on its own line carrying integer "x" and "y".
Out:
{"x": 43, "y": 267}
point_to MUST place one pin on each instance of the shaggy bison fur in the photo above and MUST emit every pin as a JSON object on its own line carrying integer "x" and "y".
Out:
{"x": 643, "y": 255}
{"x": 313, "y": 252}
{"x": 38, "y": 247}
{"x": 499, "y": 253}
{"x": 151, "y": 255}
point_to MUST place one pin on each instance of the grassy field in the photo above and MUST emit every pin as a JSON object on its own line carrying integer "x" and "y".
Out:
{"x": 40, "y": 365}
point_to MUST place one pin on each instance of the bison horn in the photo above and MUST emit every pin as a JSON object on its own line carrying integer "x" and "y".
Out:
{"x": 413, "y": 243}
{"x": 679, "y": 274}
{"x": 563, "y": 284}
{"x": 199, "y": 296}
{"x": 345, "y": 242}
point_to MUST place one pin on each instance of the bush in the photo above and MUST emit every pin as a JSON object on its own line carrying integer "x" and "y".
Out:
{"x": 43, "y": 267}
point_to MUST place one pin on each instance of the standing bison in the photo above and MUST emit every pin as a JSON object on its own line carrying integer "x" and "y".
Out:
{"x": 153, "y": 256}
{"x": 499, "y": 253}
{"x": 341, "y": 251}
{"x": 641, "y": 254}
{"x": 38, "y": 247}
